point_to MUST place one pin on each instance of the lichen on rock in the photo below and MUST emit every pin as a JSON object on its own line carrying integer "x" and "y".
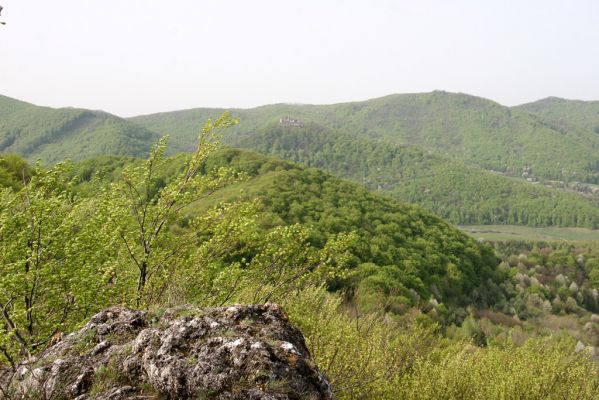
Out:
{"x": 237, "y": 352}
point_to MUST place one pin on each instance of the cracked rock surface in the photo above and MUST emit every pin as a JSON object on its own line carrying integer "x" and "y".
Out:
{"x": 237, "y": 352}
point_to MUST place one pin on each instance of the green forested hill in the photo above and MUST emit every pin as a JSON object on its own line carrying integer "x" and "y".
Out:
{"x": 568, "y": 115}
{"x": 454, "y": 190}
{"x": 557, "y": 142}
{"x": 474, "y": 130}
{"x": 56, "y": 134}
{"x": 400, "y": 248}
{"x": 452, "y": 153}
{"x": 418, "y": 298}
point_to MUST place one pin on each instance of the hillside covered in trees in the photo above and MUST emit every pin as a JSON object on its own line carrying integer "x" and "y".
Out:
{"x": 472, "y": 129}
{"x": 454, "y": 190}
{"x": 581, "y": 117}
{"x": 385, "y": 293}
{"x": 400, "y": 243}
{"x": 54, "y": 135}
{"x": 470, "y": 160}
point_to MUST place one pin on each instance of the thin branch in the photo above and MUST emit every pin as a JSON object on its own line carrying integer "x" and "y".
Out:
{"x": 129, "y": 249}
{"x": 8, "y": 357}
{"x": 14, "y": 329}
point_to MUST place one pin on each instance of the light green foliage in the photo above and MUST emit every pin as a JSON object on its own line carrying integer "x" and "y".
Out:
{"x": 140, "y": 208}
{"x": 358, "y": 354}
{"x": 284, "y": 262}
{"x": 540, "y": 369}
{"x": 214, "y": 266}
{"x": 45, "y": 278}
{"x": 14, "y": 171}
{"x": 69, "y": 252}
{"x": 371, "y": 356}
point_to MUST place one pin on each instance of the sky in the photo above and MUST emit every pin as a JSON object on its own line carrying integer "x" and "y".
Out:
{"x": 133, "y": 57}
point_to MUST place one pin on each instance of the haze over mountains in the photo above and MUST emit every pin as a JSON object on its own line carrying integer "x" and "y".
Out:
{"x": 469, "y": 159}
{"x": 465, "y": 127}
{"x": 53, "y": 135}
{"x": 324, "y": 224}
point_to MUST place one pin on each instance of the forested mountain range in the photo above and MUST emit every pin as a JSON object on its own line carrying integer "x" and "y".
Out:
{"x": 569, "y": 115}
{"x": 53, "y": 135}
{"x": 375, "y": 283}
{"x": 468, "y": 159}
{"x": 476, "y": 130}
{"x": 453, "y": 189}
{"x": 401, "y": 254}
{"x": 400, "y": 248}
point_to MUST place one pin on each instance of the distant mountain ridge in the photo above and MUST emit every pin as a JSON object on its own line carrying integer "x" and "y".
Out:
{"x": 476, "y": 130}
{"x": 469, "y": 159}
{"x": 458, "y": 192}
{"x": 579, "y": 115}
{"x": 53, "y": 135}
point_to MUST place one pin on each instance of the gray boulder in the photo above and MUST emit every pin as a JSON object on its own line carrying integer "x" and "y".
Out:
{"x": 238, "y": 352}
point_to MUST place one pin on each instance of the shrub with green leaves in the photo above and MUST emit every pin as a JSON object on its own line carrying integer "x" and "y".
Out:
{"x": 369, "y": 356}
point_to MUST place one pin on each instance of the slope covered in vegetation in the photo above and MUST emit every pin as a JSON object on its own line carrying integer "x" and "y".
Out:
{"x": 579, "y": 116}
{"x": 155, "y": 233}
{"x": 53, "y": 135}
{"x": 475, "y": 130}
{"x": 455, "y": 191}
{"x": 399, "y": 248}
{"x": 450, "y": 153}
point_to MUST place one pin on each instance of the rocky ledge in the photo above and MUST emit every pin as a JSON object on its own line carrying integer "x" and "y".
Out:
{"x": 237, "y": 352}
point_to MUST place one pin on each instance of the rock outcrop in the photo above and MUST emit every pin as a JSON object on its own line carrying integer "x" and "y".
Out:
{"x": 237, "y": 352}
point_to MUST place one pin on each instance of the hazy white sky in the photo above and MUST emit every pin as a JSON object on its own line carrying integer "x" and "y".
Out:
{"x": 132, "y": 56}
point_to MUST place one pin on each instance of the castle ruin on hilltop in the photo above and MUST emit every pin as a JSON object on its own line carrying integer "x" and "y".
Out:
{"x": 287, "y": 121}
